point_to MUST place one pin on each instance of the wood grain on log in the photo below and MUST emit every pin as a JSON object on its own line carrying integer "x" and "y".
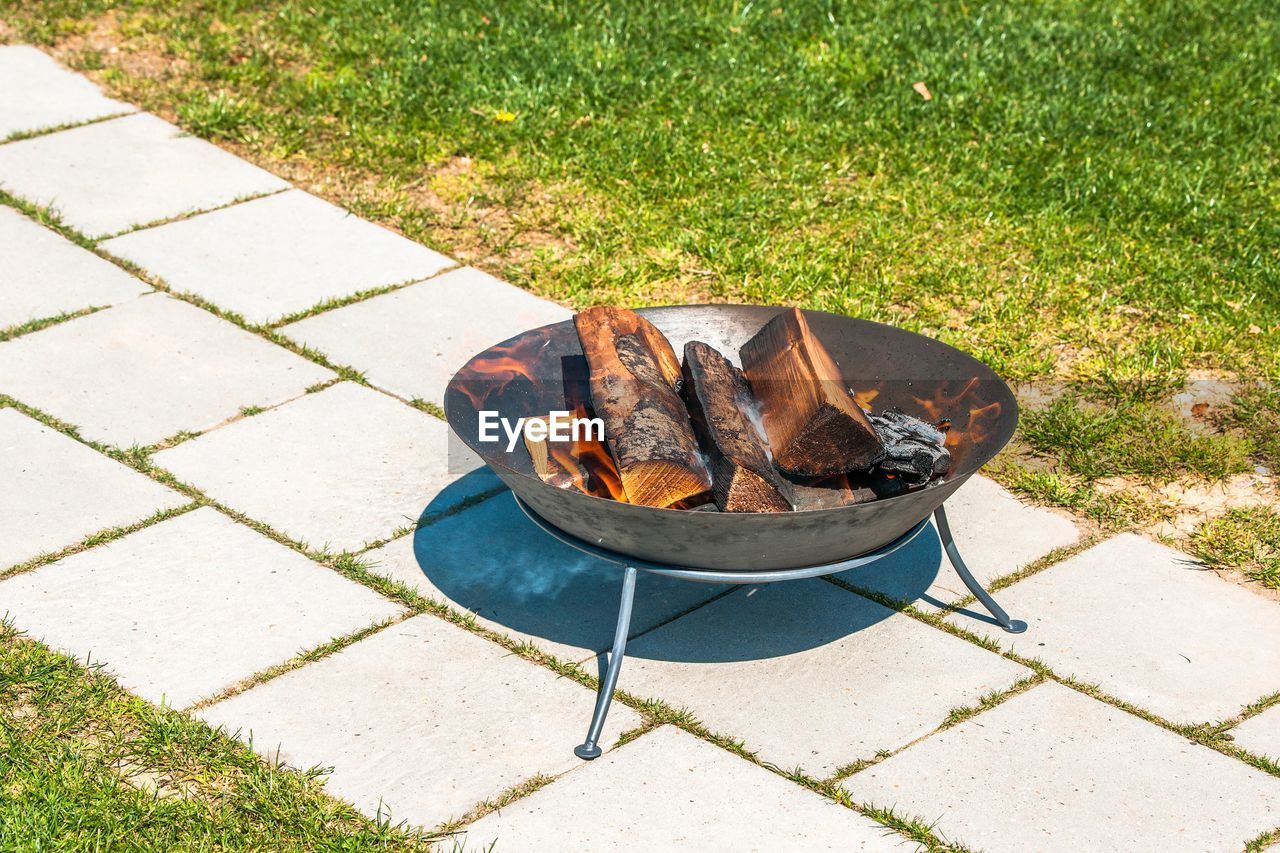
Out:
{"x": 634, "y": 374}
{"x": 743, "y": 478}
{"x": 562, "y": 470}
{"x": 814, "y": 426}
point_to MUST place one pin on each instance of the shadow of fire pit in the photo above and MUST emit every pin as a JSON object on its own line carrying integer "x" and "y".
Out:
{"x": 490, "y": 559}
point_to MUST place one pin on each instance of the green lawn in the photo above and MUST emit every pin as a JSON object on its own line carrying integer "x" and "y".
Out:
{"x": 1090, "y": 195}
{"x": 1092, "y": 190}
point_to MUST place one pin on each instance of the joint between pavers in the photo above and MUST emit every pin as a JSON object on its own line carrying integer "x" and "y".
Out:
{"x": 1252, "y": 710}
{"x": 20, "y": 135}
{"x": 49, "y": 217}
{"x": 1203, "y": 734}
{"x": 957, "y": 716}
{"x": 1263, "y": 842}
{"x": 298, "y": 661}
{"x": 359, "y": 296}
{"x": 502, "y": 799}
{"x": 191, "y": 214}
{"x": 427, "y": 521}
{"x": 1035, "y": 567}
{"x": 39, "y": 323}
{"x": 101, "y": 537}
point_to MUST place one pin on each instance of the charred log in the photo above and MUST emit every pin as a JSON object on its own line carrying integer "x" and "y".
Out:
{"x": 633, "y": 377}
{"x": 914, "y": 450}
{"x": 814, "y": 426}
{"x": 743, "y": 478}
{"x": 828, "y": 492}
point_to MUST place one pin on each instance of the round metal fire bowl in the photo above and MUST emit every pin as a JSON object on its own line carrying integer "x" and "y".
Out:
{"x": 921, "y": 376}
{"x": 719, "y": 576}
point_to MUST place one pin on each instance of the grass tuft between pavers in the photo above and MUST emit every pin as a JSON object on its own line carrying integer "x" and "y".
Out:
{"x": 1245, "y": 539}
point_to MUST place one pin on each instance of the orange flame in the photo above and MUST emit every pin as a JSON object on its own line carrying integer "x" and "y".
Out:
{"x": 865, "y": 398}
{"x": 944, "y": 405}
{"x": 982, "y": 419}
{"x": 590, "y": 466}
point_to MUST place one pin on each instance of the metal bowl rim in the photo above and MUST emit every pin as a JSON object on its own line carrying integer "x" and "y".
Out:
{"x": 963, "y": 475}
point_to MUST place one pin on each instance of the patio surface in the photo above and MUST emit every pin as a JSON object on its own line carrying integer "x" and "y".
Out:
{"x": 270, "y": 369}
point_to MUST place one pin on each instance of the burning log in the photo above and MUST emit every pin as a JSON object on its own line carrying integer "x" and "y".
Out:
{"x": 634, "y": 374}
{"x": 563, "y": 471}
{"x": 743, "y": 478}
{"x": 815, "y": 427}
{"x": 914, "y": 450}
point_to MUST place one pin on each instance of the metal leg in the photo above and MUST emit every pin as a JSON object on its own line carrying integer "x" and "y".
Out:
{"x": 1013, "y": 626}
{"x": 589, "y": 749}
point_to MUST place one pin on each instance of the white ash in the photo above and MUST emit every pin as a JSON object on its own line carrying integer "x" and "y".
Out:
{"x": 916, "y": 450}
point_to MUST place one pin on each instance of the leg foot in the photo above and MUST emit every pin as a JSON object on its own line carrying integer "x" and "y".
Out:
{"x": 1013, "y": 626}
{"x": 589, "y": 748}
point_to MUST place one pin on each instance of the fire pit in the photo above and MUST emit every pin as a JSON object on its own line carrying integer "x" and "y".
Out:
{"x": 836, "y": 524}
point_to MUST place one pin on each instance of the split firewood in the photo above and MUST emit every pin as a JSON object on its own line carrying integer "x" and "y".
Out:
{"x": 814, "y": 426}
{"x": 743, "y": 478}
{"x": 634, "y": 375}
{"x": 560, "y": 470}
{"x": 914, "y": 449}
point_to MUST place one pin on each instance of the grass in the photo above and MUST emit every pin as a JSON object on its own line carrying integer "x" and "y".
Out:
{"x": 1127, "y": 437}
{"x": 1090, "y": 194}
{"x": 1246, "y": 540}
{"x": 1090, "y": 189}
{"x": 85, "y": 765}
{"x": 1256, "y": 411}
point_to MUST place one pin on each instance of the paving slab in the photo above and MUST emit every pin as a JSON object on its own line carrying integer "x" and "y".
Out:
{"x": 811, "y": 675}
{"x": 668, "y": 790}
{"x": 1052, "y": 769}
{"x": 57, "y": 491}
{"x": 143, "y": 371}
{"x": 492, "y": 561}
{"x": 997, "y": 535}
{"x": 43, "y": 274}
{"x": 278, "y": 255}
{"x": 107, "y": 177}
{"x": 189, "y": 606}
{"x": 412, "y": 341}
{"x": 36, "y": 93}
{"x": 336, "y": 469}
{"x": 1261, "y": 734}
{"x": 420, "y": 722}
{"x": 1148, "y": 625}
